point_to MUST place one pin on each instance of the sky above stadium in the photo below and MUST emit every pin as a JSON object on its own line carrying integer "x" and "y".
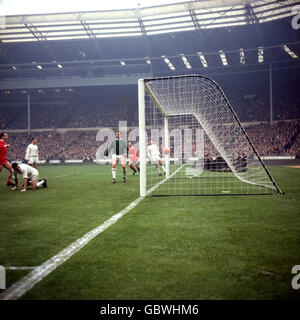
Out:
{"x": 18, "y": 7}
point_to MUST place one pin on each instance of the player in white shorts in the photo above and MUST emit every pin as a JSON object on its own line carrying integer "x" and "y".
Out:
{"x": 154, "y": 156}
{"x": 32, "y": 153}
{"x": 30, "y": 177}
{"x": 120, "y": 150}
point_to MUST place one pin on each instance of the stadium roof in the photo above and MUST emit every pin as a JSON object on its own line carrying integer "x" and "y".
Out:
{"x": 197, "y": 36}
{"x": 142, "y": 21}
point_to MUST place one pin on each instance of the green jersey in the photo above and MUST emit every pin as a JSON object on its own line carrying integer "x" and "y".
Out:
{"x": 118, "y": 146}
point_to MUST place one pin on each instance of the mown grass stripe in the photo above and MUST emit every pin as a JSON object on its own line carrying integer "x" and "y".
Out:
{"x": 19, "y": 288}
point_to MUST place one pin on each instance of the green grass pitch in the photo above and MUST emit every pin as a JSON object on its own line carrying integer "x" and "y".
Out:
{"x": 165, "y": 248}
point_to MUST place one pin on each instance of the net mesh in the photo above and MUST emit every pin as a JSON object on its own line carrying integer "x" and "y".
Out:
{"x": 203, "y": 148}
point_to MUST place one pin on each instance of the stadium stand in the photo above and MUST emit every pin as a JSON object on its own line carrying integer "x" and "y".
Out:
{"x": 80, "y": 108}
{"x": 93, "y": 107}
{"x": 281, "y": 138}
{"x": 79, "y": 112}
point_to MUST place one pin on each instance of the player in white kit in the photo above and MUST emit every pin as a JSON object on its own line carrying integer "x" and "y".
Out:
{"x": 154, "y": 156}
{"x": 32, "y": 153}
{"x": 30, "y": 177}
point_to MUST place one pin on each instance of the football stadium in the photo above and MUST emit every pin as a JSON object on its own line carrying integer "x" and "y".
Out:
{"x": 150, "y": 151}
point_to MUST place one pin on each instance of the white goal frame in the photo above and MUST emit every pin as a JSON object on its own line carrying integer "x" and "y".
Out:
{"x": 142, "y": 134}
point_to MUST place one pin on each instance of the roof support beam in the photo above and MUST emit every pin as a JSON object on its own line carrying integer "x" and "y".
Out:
{"x": 88, "y": 29}
{"x": 251, "y": 16}
{"x": 194, "y": 19}
{"x": 41, "y": 38}
{"x": 145, "y": 38}
{"x": 253, "y": 23}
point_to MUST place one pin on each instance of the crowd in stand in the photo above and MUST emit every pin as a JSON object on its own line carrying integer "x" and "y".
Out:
{"x": 275, "y": 139}
{"x": 258, "y": 109}
{"x": 99, "y": 108}
{"x": 80, "y": 108}
{"x": 65, "y": 116}
{"x": 102, "y": 107}
{"x": 50, "y": 116}
{"x": 282, "y": 138}
{"x": 295, "y": 147}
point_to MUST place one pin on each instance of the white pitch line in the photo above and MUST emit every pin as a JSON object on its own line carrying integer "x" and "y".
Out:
{"x": 19, "y": 288}
{"x": 62, "y": 176}
{"x": 21, "y": 268}
{"x": 161, "y": 182}
{"x": 74, "y": 174}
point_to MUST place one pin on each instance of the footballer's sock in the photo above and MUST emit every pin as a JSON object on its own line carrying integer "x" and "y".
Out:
{"x": 9, "y": 183}
{"x": 163, "y": 168}
{"x": 124, "y": 172}
{"x": 132, "y": 168}
{"x": 158, "y": 170}
{"x": 40, "y": 183}
{"x": 114, "y": 173}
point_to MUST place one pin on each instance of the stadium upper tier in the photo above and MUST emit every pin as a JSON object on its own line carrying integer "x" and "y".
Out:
{"x": 195, "y": 37}
{"x": 143, "y": 21}
{"x": 105, "y": 106}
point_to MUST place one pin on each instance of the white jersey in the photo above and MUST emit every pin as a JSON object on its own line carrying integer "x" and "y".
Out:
{"x": 32, "y": 151}
{"x": 28, "y": 172}
{"x": 153, "y": 152}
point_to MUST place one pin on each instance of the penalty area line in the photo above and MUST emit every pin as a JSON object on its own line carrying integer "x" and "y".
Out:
{"x": 19, "y": 288}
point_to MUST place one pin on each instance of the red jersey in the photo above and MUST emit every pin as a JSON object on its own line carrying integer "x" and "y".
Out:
{"x": 133, "y": 154}
{"x": 3, "y": 152}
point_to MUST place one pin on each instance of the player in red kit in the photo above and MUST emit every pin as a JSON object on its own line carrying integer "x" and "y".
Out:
{"x": 133, "y": 158}
{"x": 3, "y": 161}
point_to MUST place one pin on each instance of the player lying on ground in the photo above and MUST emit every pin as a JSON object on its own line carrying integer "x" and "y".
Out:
{"x": 30, "y": 177}
{"x": 3, "y": 161}
{"x": 120, "y": 150}
{"x": 154, "y": 156}
{"x": 133, "y": 158}
{"x": 32, "y": 153}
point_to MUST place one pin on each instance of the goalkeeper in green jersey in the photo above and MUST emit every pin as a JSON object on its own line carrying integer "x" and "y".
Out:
{"x": 120, "y": 151}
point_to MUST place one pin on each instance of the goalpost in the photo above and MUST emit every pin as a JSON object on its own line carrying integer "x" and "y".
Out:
{"x": 204, "y": 149}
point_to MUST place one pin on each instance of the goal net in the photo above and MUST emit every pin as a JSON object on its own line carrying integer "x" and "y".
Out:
{"x": 192, "y": 142}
